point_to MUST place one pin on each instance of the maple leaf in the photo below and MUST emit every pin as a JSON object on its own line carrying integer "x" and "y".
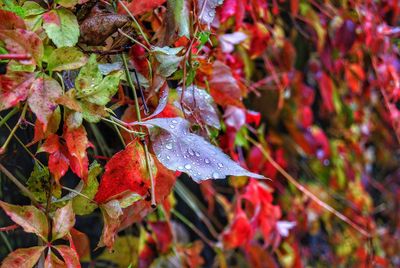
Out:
{"x": 126, "y": 171}
{"x": 178, "y": 149}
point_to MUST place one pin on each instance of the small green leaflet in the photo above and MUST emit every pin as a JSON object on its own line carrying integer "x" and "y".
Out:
{"x": 62, "y": 27}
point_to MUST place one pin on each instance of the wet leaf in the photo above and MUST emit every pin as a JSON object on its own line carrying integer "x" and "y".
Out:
{"x": 42, "y": 98}
{"x": 31, "y": 219}
{"x": 23, "y": 258}
{"x": 140, "y": 6}
{"x": 66, "y": 58}
{"x": 63, "y": 221}
{"x": 178, "y": 149}
{"x": 62, "y": 27}
{"x": 207, "y": 10}
{"x": 39, "y": 183}
{"x": 82, "y": 205}
{"x": 199, "y": 106}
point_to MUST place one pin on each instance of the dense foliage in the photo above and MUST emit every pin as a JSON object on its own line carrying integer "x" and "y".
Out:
{"x": 184, "y": 133}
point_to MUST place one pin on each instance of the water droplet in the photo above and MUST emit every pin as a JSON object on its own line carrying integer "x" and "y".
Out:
{"x": 190, "y": 151}
{"x": 187, "y": 166}
{"x": 207, "y": 161}
{"x": 215, "y": 175}
{"x": 174, "y": 121}
{"x": 197, "y": 153}
{"x": 180, "y": 168}
{"x": 168, "y": 146}
{"x": 172, "y": 126}
{"x": 168, "y": 157}
{"x": 220, "y": 165}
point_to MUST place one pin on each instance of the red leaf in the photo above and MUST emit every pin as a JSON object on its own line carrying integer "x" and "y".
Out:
{"x": 111, "y": 212}
{"x": 126, "y": 171}
{"x": 80, "y": 242}
{"x": 10, "y": 21}
{"x": 77, "y": 143}
{"x": 140, "y": 6}
{"x": 239, "y": 232}
{"x": 14, "y": 87}
{"x": 69, "y": 255}
{"x": 58, "y": 159}
{"x": 42, "y": 98}
{"x": 163, "y": 234}
{"x": 326, "y": 88}
{"x": 20, "y": 41}
{"x": 31, "y": 219}
{"x": 223, "y": 86}
{"x": 23, "y": 258}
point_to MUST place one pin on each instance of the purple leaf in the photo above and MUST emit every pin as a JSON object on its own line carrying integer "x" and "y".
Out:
{"x": 178, "y": 149}
{"x": 199, "y": 106}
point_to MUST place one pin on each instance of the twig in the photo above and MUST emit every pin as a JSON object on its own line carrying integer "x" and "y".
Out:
{"x": 4, "y": 147}
{"x": 146, "y": 149}
{"x": 9, "y": 228}
{"x": 19, "y": 184}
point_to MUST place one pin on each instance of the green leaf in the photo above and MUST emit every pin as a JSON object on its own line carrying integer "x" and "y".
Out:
{"x": 180, "y": 16}
{"x": 81, "y": 205}
{"x": 31, "y": 219}
{"x": 32, "y": 9}
{"x": 89, "y": 75}
{"x": 67, "y": 3}
{"x": 102, "y": 93}
{"x": 39, "y": 182}
{"x": 61, "y": 27}
{"x": 66, "y": 58}
{"x": 11, "y": 5}
{"x": 168, "y": 60}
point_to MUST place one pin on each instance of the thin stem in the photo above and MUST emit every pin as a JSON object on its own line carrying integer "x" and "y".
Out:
{"x": 305, "y": 191}
{"x": 194, "y": 228}
{"x": 133, "y": 40}
{"x": 4, "y": 147}
{"x": 139, "y": 118}
{"x": 20, "y": 186}
{"x": 6, "y": 242}
{"x": 15, "y": 57}
{"x": 8, "y": 116}
{"x": 134, "y": 20}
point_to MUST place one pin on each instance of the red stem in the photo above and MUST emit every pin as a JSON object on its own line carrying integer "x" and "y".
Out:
{"x": 15, "y": 57}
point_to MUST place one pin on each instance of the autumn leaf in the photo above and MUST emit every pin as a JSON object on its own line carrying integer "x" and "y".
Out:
{"x": 140, "y": 6}
{"x": 31, "y": 219}
{"x": 52, "y": 261}
{"x": 58, "y": 159}
{"x": 199, "y": 106}
{"x": 42, "y": 98}
{"x": 111, "y": 212}
{"x": 10, "y": 21}
{"x": 71, "y": 258}
{"x": 207, "y": 10}
{"x": 14, "y": 87}
{"x": 77, "y": 143}
{"x": 20, "y": 41}
{"x": 62, "y": 27}
{"x": 126, "y": 171}
{"x": 63, "y": 221}
{"x": 179, "y": 150}
{"x": 23, "y": 258}
{"x": 167, "y": 59}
